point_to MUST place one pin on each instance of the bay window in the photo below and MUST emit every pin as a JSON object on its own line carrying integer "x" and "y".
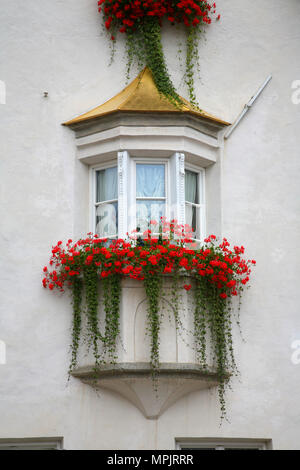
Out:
{"x": 146, "y": 159}
{"x": 129, "y": 194}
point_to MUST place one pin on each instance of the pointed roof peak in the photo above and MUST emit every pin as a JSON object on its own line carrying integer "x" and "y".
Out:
{"x": 142, "y": 96}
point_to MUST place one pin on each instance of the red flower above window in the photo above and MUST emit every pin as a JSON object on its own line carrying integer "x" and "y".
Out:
{"x": 129, "y": 14}
{"x": 142, "y": 21}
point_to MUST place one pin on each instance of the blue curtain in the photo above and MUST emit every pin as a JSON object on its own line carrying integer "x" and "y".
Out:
{"x": 107, "y": 184}
{"x": 191, "y": 195}
{"x": 150, "y": 180}
{"x": 191, "y": 187}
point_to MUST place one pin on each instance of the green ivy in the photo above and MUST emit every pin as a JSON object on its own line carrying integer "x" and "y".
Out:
{"x": 153, "y": 284}
{"x": 192, "y": 60}
{"x": 175, "y": 297}
{"x": 155, "y": 60}
{"x": 91, "y": 292}
{"x": 111, "y": 292}
{"x": 144, "y": 46}
{"x": 211, "y": 314}
{"x": 200, "y": 323}
{"x": 76, "y": 330}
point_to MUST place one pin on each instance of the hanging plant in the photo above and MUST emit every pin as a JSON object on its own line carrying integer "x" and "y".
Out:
{"x": 218, "y": 272}
{"x": 112, "y": 294}
{"x": 142, "y": 20}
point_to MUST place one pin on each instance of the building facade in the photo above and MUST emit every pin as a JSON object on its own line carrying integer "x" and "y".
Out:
{"x": 54, "y": 69}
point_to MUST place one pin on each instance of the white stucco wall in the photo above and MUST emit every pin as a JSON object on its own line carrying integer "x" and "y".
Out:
{"x": 59, "y": 47}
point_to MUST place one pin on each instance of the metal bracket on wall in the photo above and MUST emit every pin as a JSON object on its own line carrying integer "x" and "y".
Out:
{"x": 246, "y": 108}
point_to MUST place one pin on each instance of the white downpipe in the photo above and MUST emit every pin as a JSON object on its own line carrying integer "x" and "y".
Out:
{"x": 246, "y": 108}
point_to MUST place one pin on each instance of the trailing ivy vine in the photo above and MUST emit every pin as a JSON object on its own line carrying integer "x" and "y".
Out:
{"x": 76, "y": 330}
{"x": 142, "y": 20}
{"x": 112, "y": 294}
{"x": 200, "y": 322}
{"x": 217, "y": 273}
{"x": 152, "y": 283}
{"x": 145, "y": 48}
{"x": 91, "y": 292}
{"x": 192, "y": 37}
{"x": 155, "y": 60}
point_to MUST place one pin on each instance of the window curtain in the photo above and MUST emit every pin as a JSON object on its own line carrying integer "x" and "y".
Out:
{"x": 107, "y": 184}
{"x": 191, "y": 195}
{"x": 191, "y": 187}
{"x": 150, "y": 180}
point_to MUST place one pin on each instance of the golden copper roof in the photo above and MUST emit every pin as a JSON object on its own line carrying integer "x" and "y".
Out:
{"x": 141, "y": 95}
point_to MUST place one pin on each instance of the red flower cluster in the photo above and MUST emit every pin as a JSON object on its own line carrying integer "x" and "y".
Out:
{"x": 217, "y": 263}
{"x": 127, "y": 14}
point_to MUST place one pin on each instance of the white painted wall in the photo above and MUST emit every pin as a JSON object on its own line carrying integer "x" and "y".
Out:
{"x": 59, "y": 47}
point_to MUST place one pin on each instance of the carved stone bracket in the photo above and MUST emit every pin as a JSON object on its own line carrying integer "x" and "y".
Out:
{"x": 134, "y": 382}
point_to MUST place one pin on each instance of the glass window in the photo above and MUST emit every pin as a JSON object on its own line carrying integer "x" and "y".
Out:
{"x": 223, "y": 444}
{"x": 192, "y": 203}
{"x": 129, "y": 194}
{"x": 150, "y": 194}
{"x": 106, "y": 204}
{"x": 42, "y": 443}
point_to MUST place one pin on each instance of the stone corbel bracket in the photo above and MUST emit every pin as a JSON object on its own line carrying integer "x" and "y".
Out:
{"x": 134, "y": 382}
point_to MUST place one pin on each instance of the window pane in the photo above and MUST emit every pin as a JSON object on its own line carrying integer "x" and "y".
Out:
{"x": 192, "y": 218}
{"x": 191, "y": 187}
{"x": 242, "y": 448}
{"x": 106, "y": 184}
{"x": 150, "y": 180}
{"x": 146, "y": 211}
{"x": 107, "y": 220}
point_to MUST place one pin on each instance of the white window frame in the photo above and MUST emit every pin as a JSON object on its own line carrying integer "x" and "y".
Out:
{"x": 34, "y": 443}
{"x": 133, "y": 197}
{"x": 223, "y": 443}
{"x": 202, "y": 203}
{"x": 175, "y": 167}
{"x": 93, "y": 187}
